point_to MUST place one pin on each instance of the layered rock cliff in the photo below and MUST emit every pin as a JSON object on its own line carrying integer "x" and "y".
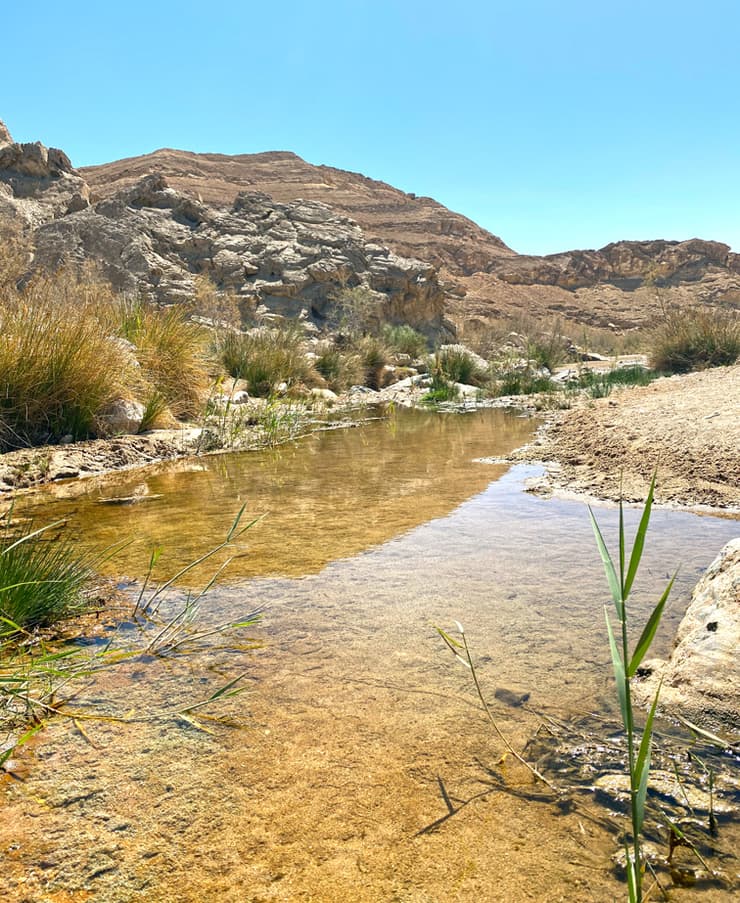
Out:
{"x": 294, "y": 258}
{"x": 287, "y": 234}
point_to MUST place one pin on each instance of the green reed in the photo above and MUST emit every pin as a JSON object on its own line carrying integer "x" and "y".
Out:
{"x": 625, "y": 664}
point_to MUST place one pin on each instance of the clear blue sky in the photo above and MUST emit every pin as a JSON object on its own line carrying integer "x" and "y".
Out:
{"x": 555, "y": 125}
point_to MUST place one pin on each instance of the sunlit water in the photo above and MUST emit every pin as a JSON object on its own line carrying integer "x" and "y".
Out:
{"x": 359, "y": 735}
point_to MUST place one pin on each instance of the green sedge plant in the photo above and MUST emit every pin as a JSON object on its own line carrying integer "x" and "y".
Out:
{"x": 625, "y": 662}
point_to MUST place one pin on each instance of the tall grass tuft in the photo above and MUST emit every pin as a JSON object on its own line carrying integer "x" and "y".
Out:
{"x": 458, "y": 365}
{"x": 59, "y": 365}
{"x": 42, "y": 580}
{"x": 695, "y": 339}
{"x": 265, "y": 358}
{"x": 625, "y": 664}
{"x": 170, "y": 350}
{"x": 340, "y": 368}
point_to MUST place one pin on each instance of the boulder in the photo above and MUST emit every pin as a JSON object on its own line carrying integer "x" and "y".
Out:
{"x": 122, "y": 416}
{"x": 701, "y": 679}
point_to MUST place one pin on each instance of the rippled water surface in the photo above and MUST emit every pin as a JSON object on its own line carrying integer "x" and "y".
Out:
{"x": 358, "y": 765}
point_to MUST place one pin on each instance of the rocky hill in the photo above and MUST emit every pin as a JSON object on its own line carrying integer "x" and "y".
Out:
{"x": 292, "y": 259}
{"x": 287, "y": 234}
{"x": 413, "y": 226}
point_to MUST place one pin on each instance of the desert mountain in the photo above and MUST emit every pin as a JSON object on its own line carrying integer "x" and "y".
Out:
{"x": 618, "y": 287}
{"x": 286, "y": 234}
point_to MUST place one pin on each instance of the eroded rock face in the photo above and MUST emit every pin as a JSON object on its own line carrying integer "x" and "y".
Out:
{"x": 291, "y": 258}
{"x": 37, "y": 183}
{"x": 701, "y": 679}
{"x": 625, "y": 264}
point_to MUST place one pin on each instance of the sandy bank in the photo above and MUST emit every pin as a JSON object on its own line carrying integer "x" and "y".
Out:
{"x": 688, "y": 427}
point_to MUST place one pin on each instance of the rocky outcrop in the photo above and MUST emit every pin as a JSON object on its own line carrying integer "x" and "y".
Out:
{"x": 37, "y": 183}
{"x": 622, "y": 286}
{"x": 625, "y": 264}
{"x": 701, "y": 679}
{"x": 416, "y": 227}
{"x": 294, "y": 259}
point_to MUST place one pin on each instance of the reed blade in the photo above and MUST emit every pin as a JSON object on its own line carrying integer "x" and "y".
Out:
{"x": 646, "y": 638}
{"x": 639, "y": 543}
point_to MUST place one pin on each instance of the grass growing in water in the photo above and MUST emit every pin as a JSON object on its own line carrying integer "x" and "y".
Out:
{"x": 625, "y": 664}
{"x": 42, "y": 580}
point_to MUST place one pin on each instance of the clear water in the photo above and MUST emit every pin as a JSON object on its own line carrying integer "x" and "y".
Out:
{"x": 359, "y": 735}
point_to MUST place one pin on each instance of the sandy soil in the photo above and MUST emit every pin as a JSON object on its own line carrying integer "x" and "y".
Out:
{"x": 688, "y": 427}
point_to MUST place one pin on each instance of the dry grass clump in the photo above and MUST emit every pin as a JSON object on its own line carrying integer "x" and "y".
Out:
{"x": 340, "y": 368}
{"x": 170, "y": 350}
{"x": 695, "y": 339}
{"x": 71, "y": 348}
{"x": 59, "y": 365}
{"x": 265, "y": 358}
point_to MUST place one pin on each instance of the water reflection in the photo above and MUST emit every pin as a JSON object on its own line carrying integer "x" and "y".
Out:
{"x": 328, "y": 496}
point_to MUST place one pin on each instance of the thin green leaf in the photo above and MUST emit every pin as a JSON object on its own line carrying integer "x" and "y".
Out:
{"x": 611, "y": 575}
{"x": 639, "y": 543}
{"x": 629, "y": 866}
{"x": 705, "y": 734}
{"x": 621, "y": 542}
{"x": 618, "y": 670}
{"x": 24, "y": 738}
{"x": 642, "y": 766}
{"x": 646, "y": 638}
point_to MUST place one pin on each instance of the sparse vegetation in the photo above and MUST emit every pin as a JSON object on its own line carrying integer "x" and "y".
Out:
{"x": 42, "y": 578}
{"x": 405, "y": 340}
{"x": 695, "y": 339}
{"x": 266, "y": 357}
{"x": 599, "y": 385}
{"x": 521, "y": 381}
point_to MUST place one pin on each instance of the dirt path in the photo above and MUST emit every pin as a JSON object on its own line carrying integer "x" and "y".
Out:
{"x": 688, "y": 427}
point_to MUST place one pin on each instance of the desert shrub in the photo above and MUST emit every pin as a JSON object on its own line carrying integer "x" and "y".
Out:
{"x": 42, "y": 580}
{"x": 170, "y": 350}
{"x": 458, "y": 365}
{"x": 59, "y": 365}
{"x": 405, "y": 340}
{"x": 374, "y": 356}
{"x": 521, "y": 381}
{"x": 266, "y": 357}
{"x": 695, "y": 339}
{"x": 340, "y": 369}
{"x": 356, "y": 310}
{"x": 548, "y": 349}
{"x": 599, "y": 385}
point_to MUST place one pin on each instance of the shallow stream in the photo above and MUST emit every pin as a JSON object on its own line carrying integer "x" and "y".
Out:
{"x": 358, "y": 765}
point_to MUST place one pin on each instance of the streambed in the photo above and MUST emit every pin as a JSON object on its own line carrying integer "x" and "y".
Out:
{"x": 358, "y": 765}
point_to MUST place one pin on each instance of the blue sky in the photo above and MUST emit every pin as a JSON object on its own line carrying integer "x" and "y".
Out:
{"x": 554, "y": 125}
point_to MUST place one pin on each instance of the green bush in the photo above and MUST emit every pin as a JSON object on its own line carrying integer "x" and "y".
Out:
{"x": 459, "y": 366}
{"x": 695, "y": 339}
{"x": 405, "y": 340}
{"x": 340, "y": 369}
{"x": 42, "y": 580}
{"x": 265, "y": 358}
